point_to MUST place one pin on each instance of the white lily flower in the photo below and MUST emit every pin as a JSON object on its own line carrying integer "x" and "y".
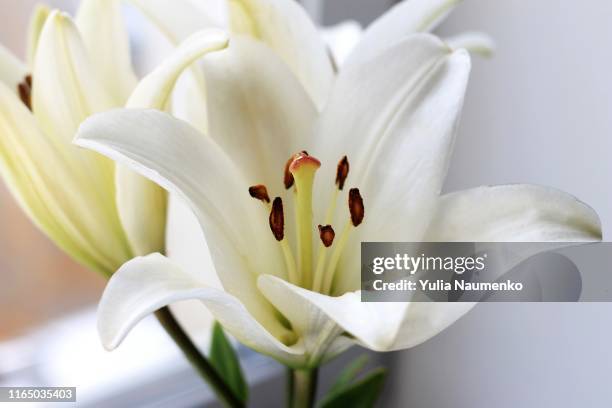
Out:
{"x": 293, "y": 292}
{"x": 99, "y": 214}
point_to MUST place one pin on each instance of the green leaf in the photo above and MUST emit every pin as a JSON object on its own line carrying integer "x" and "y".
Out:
{"x": 350, "y": 372}
{"x": 361, "y": 394}
{"x": 223, "y": 358}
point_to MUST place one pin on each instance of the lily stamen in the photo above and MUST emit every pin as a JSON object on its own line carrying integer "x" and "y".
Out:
{"x": 342, "y": 171}
{"x": 299, "y": 173}
{"x": 356, "y": 208}
{"x": 327, "y": 235}
{"x": 357, "y": 211}
{"x": 259, "y": 192}
{"x": 277, "y": 225}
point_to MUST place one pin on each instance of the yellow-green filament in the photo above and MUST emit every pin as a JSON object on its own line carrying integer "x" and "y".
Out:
{"x": 320, "y": 269}
{"x": 290, "y": 262}
{"x": 333, "y": 262}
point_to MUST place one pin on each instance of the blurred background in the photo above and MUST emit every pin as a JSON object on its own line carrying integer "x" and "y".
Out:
{"x": 539, "y": 112}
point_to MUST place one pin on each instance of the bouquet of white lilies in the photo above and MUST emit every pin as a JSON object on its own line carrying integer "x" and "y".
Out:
{"x": 288, "y": 157}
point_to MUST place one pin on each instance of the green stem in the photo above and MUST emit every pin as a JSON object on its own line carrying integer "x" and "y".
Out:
{"x": 289, "y": 387}
{"x": 199, "y": 362}
{"x": 304, "y": 388}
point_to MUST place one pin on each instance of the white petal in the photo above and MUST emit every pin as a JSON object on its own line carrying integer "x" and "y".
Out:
{"x": 258, "y": 112}
{"x": 475, "y": 42}
{"x": 360, "y": 319}
{"x": 45, "y": 179}
{"x": 66, "y": 89}
{"x": 395, "y": 119}
{"x": 179, "y": 19}
{"x": 287, "y": 29}
{"x": 320, "y": 335}
{"x": 522, "y": 213}
{"x": 405, "y": 18}
{"x": 341, "y": 39}
{"x": 145, "y": 284}
{"x": 37, "y": 21}
{"x": 182, "y": 160}
{"x": 12, "y": 71}
{"x": 380, "y": 326}
{"x": 105, "y": 37}
{"x": 155, "y": 89}
{"x": 185, "y": 242}
{"x": 142, "y": 207}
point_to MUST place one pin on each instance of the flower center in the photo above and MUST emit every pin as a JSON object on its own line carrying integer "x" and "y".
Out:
{"x": 308, "y": 272}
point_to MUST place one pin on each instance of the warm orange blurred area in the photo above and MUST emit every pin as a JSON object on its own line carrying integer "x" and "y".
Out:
{"x": 37, "y": 281}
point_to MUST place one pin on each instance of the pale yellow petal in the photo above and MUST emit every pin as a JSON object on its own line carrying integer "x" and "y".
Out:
{"x": 37, "y": 21}
{"x": 106, "y": 39}
{"x": 12, "y": 70}
{"x": 286, "y": 28}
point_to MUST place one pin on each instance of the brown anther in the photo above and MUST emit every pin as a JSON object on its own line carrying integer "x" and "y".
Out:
{"x": 277, "y": 219}
{"x": 25, "y": 91}
{"x": 260, "y": 192}
{"x": 288, "y": 177}
{"x": 327, "y": 234}
{"x": 355, "y": 203}
{"x": 342, "y": 172}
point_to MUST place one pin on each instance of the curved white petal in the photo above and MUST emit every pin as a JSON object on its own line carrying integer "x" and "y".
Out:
{"x": 182, "y": 160}
{"x": 12, "y": 70}
{"x": 37, "y": 21}
{"x": 140, "y": 202}
{"x": 177, "y": 21}
{"x": 106, "y": 39}
{"x": 155, "y": 89}
{"x": 518, "y": 212}
{"x": 405, "y": 18}
{"x": 395, "y": 118}
{"x": 258, "y": 112}
{"x": 374, "y": 325}
{"x": 380, "y": 326}
{"x": 288, "y": 30}
{"x": 145, "y": 284}
{"x": 475, "y": 42}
